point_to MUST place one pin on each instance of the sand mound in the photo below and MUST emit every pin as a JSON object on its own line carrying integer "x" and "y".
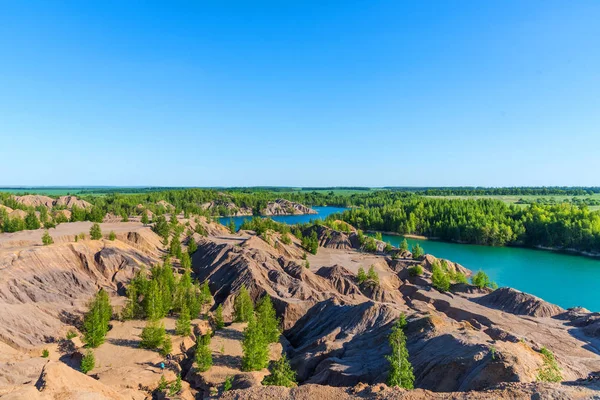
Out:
{"x": 515, "y": 302}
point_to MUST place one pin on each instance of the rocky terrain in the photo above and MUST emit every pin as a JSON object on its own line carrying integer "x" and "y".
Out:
{"x": 277, "y": 207}
{"x": 467, "y": 343}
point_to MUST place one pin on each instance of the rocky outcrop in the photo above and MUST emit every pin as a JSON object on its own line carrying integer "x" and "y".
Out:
{"x": 36, "y": 200}
{"x": 286, "y": 207}
{"x": 70, "y": 201}
{"x": 43, "y": 289}
{"x": 515, "y": 302}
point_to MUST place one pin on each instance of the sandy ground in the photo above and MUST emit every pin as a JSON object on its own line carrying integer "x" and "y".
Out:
{"x": 350, "y": 259}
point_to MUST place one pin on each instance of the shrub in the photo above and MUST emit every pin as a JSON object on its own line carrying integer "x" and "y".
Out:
{"x": 219, "y": 322}
{"x": 47, "y": 239}
{"x": 88, "y": 362}
{"x": 416, "y": 270}
{"x": 112, "y": 235}
{"x": 167, "y": 346}
{"x": 361, "y": 276}
{"x": 549, "y": 371}
{"x": 71, "y": 335}
{"x": 45, "y": 353}
{"x": 162, "y": 384}
{"x": 175, "y": 387}
{"x": 153, "y": 335}
{"x": 417, "y": 251}
{"x": 183, "y": 326}
{"x": 228, "y": 384}
{"x": 243, "y": 306}
{"x": 481, "y": 280}
{"x": 285, "y": 239}
{"x": 404, "y": 245}
{"x": 95, "y": 232}
{"x": 439, "y": 278}
{"x": 372, "y": 275}
{"x": 282, "y": 374}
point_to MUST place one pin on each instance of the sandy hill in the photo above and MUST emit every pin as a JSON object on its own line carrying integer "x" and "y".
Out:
{"x": 467, "y": 343}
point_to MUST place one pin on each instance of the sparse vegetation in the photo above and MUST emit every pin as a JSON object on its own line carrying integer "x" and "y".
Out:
{"x": 153, "y": 335}
{"x": 282, "y": 374}
{"x": 96, "y": 320}
{"x": 417, "y": 252}
{"x": 401, "y": 371}
{"x": 372, "y": 275}
{"x": 95, "y": 232}
{"x": 228, "y": 384}
{"x": 481, "y": 280}
{"x": 112, "y": 235}
{"x": 203, "y": 354}
{"x": 361, "y": 276}
{"x": 243, "y": 306}
{"x": 255, "y": 347}
{"x": 219, "y": 322}
{"x": 47, "y": 239}
{"x": 45, "y": 353}
{"x": 88, "y": 362}
{"x": 415, "y": 270}
{"x": 549, "y": 371}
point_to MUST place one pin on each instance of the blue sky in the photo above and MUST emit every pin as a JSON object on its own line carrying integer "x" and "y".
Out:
{"x": 303, "y": 93}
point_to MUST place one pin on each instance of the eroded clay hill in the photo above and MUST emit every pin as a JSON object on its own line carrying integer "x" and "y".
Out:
{"x": 465, "y": 343}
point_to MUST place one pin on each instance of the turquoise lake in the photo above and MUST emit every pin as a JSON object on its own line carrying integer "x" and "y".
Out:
{"x": 562, "y": 279}
{"x": 322, "y": 212}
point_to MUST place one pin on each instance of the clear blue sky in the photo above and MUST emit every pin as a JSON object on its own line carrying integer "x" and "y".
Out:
{"x": 301, "y": 93}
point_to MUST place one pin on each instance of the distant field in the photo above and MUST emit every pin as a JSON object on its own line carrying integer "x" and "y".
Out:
{"x": 528, "y": 198}
{"x": 44, "y": 191}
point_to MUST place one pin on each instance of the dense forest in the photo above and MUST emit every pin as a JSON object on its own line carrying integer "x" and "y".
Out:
{"x": 503, "y": 191}
{"x": 568, "y": 224}
{"x": 483, "y": 221}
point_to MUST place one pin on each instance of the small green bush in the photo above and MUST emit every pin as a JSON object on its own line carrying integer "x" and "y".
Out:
{"x": 45, "y": 353}
{"x": 88, "y": 362}
{"x": 417, "y": 270}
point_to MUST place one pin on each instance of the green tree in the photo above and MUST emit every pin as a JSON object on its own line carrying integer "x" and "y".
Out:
{"x": 153, "y": 335}
{"x": 162, "y": 384}
{"x": 183, "y": 326}
{"x": 285, "y": 239}
{"x": 192, "y": 246}
{"x": 417, "y": 251}
{"x": 31, "y": 221}
{"x": 145, "y": 219}
{"x": 203, "y": 354}
{"x": 439, "y": 278}
{"x": 47, "y": 239}
{"x": 219, "y": 322}
{"x": 167, "y": 346}
{"x": 404, "y": 245}
{"x": 243, "y": 306}
{"x": 267, "y": 319}
{"x": 88, "y": 362}
{"x": 112, "y": 235}
{"x": 282, "y": 374}
{"x": 205, "y": 294}
{"x": 255, "y": 347}
{"x": 95, "y": 232}
{"x": 372, "y": 275}
{"x": 231, "y": 226}
{"x": 96, "y": 320}
{"x": 481, "y": 280}
{"x": 401, "y": 371}
{"x": 361, "y": 276}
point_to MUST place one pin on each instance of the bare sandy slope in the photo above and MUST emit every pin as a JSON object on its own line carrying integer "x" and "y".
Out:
{"x": 64, "y": 232}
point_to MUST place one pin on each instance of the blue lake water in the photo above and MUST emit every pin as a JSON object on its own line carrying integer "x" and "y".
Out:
{"x": 322, "y": 212}
{"x": 562, "y": 279}
{"x": 566, "y": 280}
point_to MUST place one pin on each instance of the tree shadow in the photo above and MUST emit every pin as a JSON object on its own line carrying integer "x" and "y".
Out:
{"x": 230, "y": 334}
{"x": 134, "y": 344}
{"x": 234, "y": 362}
